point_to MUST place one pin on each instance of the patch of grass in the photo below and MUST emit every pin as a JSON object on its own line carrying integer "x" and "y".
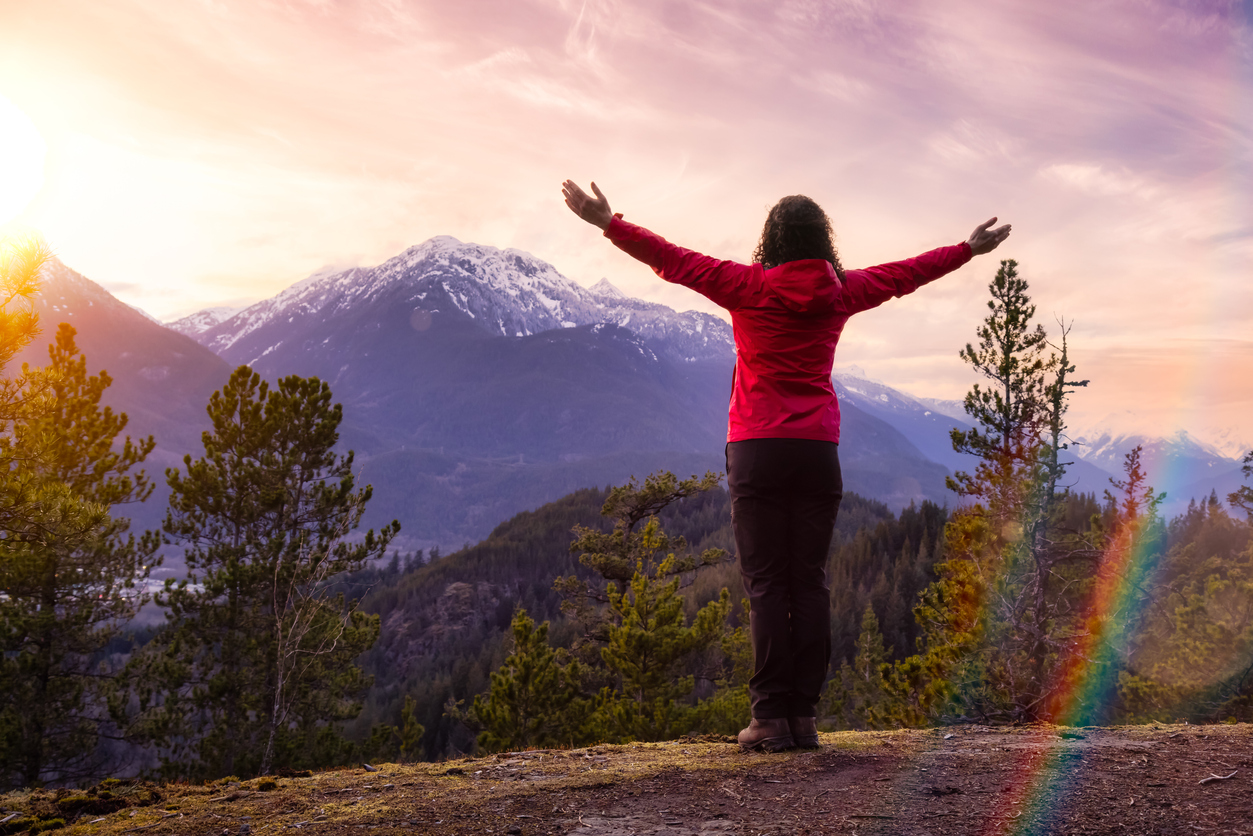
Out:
{"x": 96, "y": 805}
{"x": 16, "y": 825}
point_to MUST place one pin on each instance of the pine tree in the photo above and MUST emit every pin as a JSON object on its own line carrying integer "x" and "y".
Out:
{"x": 411, "y": 731}
{"x": 635, "y": 626}
{"x": 20, "y": 396}
{"x": 258, "y": 655}
{"x": 867, "y": 690}
{"x": 992, "y": 621}
{"x": 1242, "y": 497}
{"x": 1012, "y": 410}
{"x": 535, "y": 699}
{"x": 70, "y": 575}
{"x": 20, "y": 265}
{"x": 648, "y": 643}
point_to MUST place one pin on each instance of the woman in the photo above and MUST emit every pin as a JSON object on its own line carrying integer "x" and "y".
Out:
{"x": 787, "y": 311}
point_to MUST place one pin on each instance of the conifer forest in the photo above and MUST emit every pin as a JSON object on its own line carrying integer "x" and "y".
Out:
{"x": 298, "y": 640}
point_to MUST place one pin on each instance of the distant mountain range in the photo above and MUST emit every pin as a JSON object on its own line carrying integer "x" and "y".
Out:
{"x": 479, "y": 382}
{"x": 1180, "y": 465}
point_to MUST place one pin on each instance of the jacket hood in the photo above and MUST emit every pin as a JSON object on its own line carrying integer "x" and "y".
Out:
{"x": 806, "y": 286}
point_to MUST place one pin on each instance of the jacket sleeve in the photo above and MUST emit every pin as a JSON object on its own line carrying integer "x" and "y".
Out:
{"x": 871, "y": 287}
{"x": 727, "y": 283}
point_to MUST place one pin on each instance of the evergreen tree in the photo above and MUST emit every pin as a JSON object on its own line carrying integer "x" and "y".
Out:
{"x": 992, "y": 621}
{"x": 257, "y": 659}
{"x": 1242, "y": 497}
{"x": 70, "y": 575}
{"x": 1011, "y": 412}
{"x": 868, "y": 664}
{"x": 725, "y": 710}
{"x": 856, "y": 695}
{"x": 20, "y": 264}
{"x": 648, "y": 645}
{"x": 535, "y": 698}
{"x": 411, "y": 731}
{"x": 639, "y": 630}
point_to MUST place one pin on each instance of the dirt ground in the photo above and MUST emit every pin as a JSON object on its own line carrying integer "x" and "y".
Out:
{"x": 968, "y": 780}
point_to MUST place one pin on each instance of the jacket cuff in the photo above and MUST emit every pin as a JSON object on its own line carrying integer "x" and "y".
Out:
{"x": 616, "y": 227}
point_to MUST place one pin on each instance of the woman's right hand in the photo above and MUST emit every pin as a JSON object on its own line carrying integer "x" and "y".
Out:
{"x": 593, "y": 210}
{"x": 985, "y": 240}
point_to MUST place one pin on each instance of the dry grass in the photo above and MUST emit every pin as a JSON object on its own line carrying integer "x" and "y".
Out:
{"x": 894, "y": 781}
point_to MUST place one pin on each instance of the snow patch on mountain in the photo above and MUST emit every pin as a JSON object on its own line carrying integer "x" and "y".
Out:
{"x": 194, "y": 324}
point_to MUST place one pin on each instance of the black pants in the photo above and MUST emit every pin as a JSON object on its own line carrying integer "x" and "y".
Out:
{"x": 785, "y": 494}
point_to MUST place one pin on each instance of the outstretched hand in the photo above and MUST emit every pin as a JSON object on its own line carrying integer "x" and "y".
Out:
{"x": 593, "y": 210}
{"x": 985, "y": 240}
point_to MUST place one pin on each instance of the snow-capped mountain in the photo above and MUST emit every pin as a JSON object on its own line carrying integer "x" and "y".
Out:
{"x": 1180, "y": 465}
{"x": 197, "y": 323}
{"x": 1183, "y": 452}
{"x": 1205, "y": 443}
{"x": 506, "y": 293}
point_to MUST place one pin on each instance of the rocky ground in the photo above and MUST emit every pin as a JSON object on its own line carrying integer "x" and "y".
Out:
{"x": 968, "y": 780}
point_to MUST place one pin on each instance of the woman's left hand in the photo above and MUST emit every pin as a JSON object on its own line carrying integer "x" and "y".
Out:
{"x": 595, "y": 211}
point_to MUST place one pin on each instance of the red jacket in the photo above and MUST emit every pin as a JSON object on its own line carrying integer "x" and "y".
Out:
{"x": 787, "y": 321}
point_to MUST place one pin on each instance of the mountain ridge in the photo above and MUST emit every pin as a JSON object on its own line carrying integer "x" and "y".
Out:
{"x": 504, "y": 292}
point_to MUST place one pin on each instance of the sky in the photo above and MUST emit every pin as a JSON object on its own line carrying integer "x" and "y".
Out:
{"x": 197, "y": 153}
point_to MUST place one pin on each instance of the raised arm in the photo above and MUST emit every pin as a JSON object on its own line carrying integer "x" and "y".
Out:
{"x": 727, "y": 283}
{"x": 871, "y": 287}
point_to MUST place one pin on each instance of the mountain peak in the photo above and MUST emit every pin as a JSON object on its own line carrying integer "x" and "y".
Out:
{"x": 201, "y": 321}
{"x": 605, "y": 288}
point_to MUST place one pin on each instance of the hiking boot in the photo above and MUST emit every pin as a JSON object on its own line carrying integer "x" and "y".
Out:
{"x": 767, "y": 736}
{"x": 804, "y": 731}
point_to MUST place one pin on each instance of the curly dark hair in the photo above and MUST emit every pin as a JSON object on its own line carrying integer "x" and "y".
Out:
{"x": 795, "y": 229}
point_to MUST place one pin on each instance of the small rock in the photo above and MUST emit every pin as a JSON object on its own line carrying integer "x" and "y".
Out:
{"x": 369, "y": 768}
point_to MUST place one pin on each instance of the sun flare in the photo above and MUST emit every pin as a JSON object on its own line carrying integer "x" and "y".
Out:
{"x": 22, "y": 153}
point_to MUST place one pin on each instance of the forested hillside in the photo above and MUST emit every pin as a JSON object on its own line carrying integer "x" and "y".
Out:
{"x": 446, "y": 623}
